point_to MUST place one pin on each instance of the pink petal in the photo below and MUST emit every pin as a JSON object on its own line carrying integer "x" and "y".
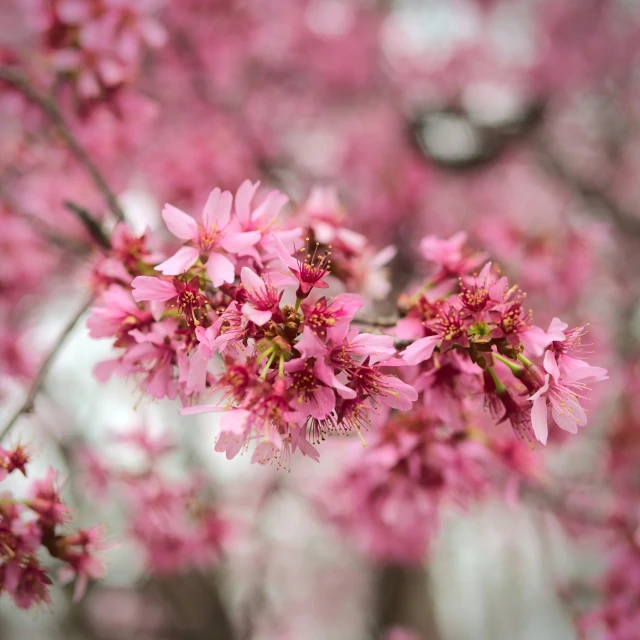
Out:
{"x": 586, "y": 373}
{"x": 220, "y": 269}
{"x": 197, "y": 376}
{"x": 310, "y": 346}
{"x": 111, "y": 72}
{"x": 408, "y": 328}
{"x": 326, "y": 374}
{"x": 150, "y": 288}
{"x": 323, "y": 232}
{"x": 356, "y": 241}
{"x": 232, "y": 436}
{"x": 257, "y": 317}
{"x": 539, "y": 419}
{"x": 66, "y": 60}
{"x": 284, "y": 255}
{"x": 217, "y": 210}
{"x": 80, "y": 588}
{"x": 551, "y": 366}
{"x": 239, "y": 242}
{"x": 272, "y": 204}
{"x": 535, "y": 340}
{"x": 153, "y": 33}
{"x": 180, "y": 262}
{"x": 180, "y": 224}
{"x": 252, "y": 281}
{"x": 105, "y": 369}
{"x": 403, "y": 395}
{"x": 12, "y": 573}
{"x": 338, "y": 332}
{"x": 420, "y": 350}
{"x": 543, "y": 389}
{"x": 308, "y": 449}
{"x": 324, "y": 402}
{"x": 557, "y": 327}
{"x": 230, "y": 445}
{"x": 384, "y": 256}
{"x": 565, "y": 421}
{"x": 235, "y": 421}
{"x": 349, "y": 303}
{"x": 202, "y": 408}
{"x": 88, "y": 84}
{"x": 378, "y": 346}
{"x": 242, "y": 205}
{"x": 116, "y": 297}
{"x": 73, "y": 11}
{"x": 572, "y": 416}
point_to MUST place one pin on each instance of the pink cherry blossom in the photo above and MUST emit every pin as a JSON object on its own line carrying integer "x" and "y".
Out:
{"x": 263, "y": 299}
{"x": 214, "y": 232}
{"x": 310, "y": 269}
{"x": 563, "y": 394}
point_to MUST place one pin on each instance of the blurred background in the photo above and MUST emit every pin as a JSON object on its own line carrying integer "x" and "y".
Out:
{"x": 517, "y": 121}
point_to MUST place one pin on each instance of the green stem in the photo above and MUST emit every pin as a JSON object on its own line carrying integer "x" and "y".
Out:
{"x": 298, "y": 301}
{"x": 266, "y": 353}
{"x": 525, "y": 361}
{"x": 263, "y": 375}
{"x": 515, "y": 368}
{"x": 500, "y": 388}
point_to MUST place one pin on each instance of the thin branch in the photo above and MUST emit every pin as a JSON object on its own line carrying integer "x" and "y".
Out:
{"x": 51, "y": 110}
{"x": 27, "y": 405}
{"x": 199, "y": 77}
{"x": 90, "y": 223}
{"x": 556, "y": 502}
{"x": 48, "y": 233}
{"x": 377, "y": 321}
{"x": 625, "y": 221}
{"x": 42, "y": 226}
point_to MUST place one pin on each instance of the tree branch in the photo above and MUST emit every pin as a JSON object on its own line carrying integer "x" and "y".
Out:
{"x": 51, "y": 110}
{"x": 403, "y": 597}
{"x": 42, "y": 226}
{"x": 377, "y": 321}
{"x": 90, "y": 223}
{"x": 625, "y": 221}
{"x": 27, "y": 405}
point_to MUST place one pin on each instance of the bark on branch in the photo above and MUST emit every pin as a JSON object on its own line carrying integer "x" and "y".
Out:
{"x": 39, "y": 379}
{"x": 49, "y": 108}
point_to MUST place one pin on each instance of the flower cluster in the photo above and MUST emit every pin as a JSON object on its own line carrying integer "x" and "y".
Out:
{"x": 36, "y": 522}
{"x": 240, "y": 311}
{"x": 610, "y": 515}
{"x": 97, "y": 44}
{"x": 293, "y": 367}
{"x": 172, "y": 520}
{"x": 472, "y": 332}
{"x": 352, "y": 260}
{"x": 389, "y": 499}
{"x": 617, "y": 617}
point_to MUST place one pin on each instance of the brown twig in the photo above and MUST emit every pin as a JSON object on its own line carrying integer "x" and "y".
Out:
{"x": 51, "y": 110}
{"x": 269, "y": 167}
{"x": 90, "y": 224}
{"x": 556, "y": 502}
{"x": 42, "y": 226}
{"x": 378, "y": 321}
{"x": 626, "y": 221}
{"x": 27, "y": 405}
